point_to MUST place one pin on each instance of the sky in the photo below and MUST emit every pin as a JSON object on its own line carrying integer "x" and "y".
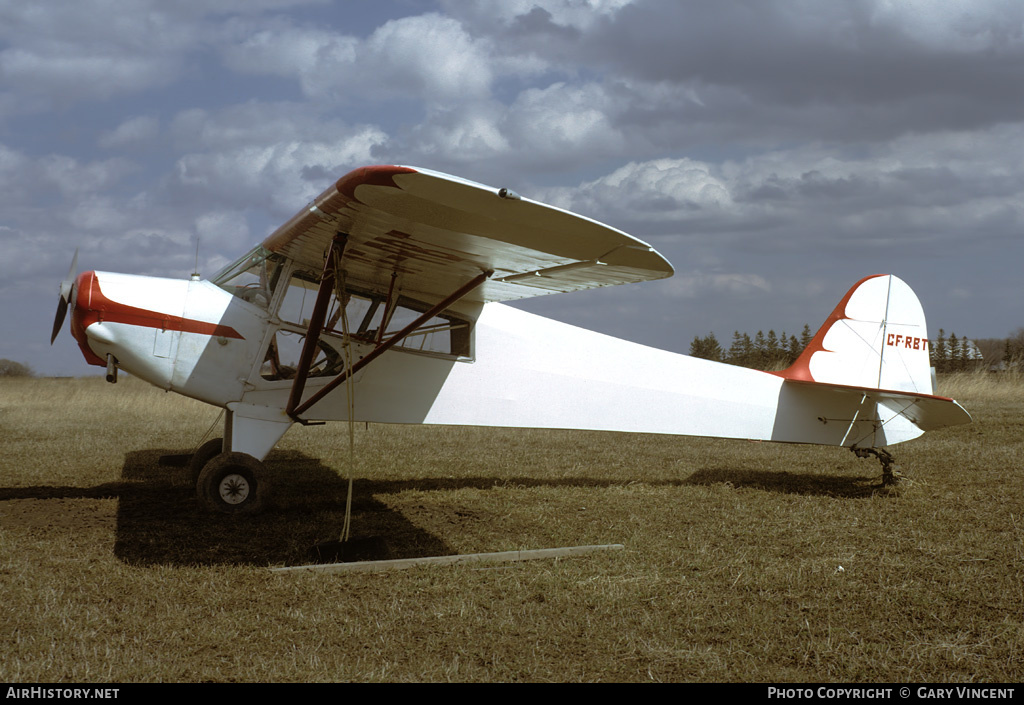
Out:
{"x": 775, "y": 152}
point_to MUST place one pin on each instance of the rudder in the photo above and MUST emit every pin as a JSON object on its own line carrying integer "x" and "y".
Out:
{"x": 876, "y": 338}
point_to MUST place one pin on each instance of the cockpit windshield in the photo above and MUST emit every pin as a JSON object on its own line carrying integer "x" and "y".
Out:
{"x": 252, "y": 277}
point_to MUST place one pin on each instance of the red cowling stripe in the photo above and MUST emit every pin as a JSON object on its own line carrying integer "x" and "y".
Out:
{"x": 92, "y": 306}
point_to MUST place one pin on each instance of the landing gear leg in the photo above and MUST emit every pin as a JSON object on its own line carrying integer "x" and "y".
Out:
{"x": 204, "y": 454}
{"x": 890, "y": 475}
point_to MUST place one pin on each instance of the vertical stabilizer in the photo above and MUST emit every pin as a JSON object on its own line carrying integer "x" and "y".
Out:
{"x": 876, "y": 338}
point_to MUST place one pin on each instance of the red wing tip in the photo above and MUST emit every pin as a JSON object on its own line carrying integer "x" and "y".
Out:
{"x": 376, "y": 175}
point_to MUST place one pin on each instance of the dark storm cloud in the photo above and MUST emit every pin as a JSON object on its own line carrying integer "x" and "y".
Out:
{"x": 837, "y": 71}
{"x": 805, "y": 53}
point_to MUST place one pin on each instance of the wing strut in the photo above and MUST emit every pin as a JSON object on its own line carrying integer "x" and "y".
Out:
{"x": 316, "y": 321}
{"x": 316, "y": 324}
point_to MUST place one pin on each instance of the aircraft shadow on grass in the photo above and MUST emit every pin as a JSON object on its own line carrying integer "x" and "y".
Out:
{"x": 788, "y": 482}
{"x": 159, "y": 520}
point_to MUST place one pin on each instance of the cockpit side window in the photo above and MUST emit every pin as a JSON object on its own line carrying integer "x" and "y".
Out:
{"x": 369, "y": 319}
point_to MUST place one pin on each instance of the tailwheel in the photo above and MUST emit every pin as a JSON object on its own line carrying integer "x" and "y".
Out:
{"x": 233, "y": 483}
{"x": 890, "y": 475}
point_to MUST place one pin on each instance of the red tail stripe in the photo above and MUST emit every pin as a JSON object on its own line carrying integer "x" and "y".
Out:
{"x": 801, "y": 369}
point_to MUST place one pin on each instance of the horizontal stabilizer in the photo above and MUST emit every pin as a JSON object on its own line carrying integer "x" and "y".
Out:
{"x": 926, "y": 411}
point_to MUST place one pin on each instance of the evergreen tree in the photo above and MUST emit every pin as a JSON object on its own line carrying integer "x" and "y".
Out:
{"x": 953, "y": 353}
{"x": 1016, "y": 346}
{"x": 1013, "y": 353}
{"x": 706, "y": 348}
{"x": 940, "y": 354}
{"x": 714, "y": 349}
{"x": 973, "y": 359}
{"x": 735, "y": 354}
{"x": 749, "y": 353}
{"x": 695, "y": 347}
{"x": 806, "y": 337}
{"x": 794, "y": 349}
{"x": 760, "y": 351}
{"x": 771, "y": 345}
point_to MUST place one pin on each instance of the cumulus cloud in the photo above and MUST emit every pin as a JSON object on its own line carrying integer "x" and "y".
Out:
{"x": 74, "y": 76}
{"x": 915, "y": 189}
{"x": 54, "y": 179}
{"x": 428, "y": 57}
{"x": 134, "y": 132}
{"x": 89, "y": 50}
{"x": 560, "y": 119}
{"x": 238, "y": 161}
{"x": 54, "y": 57}
{"x": 923, "y": 187}
{"x": 576, "y": 14}
{"x": 223, "y": 229}
{"x": 302, "y": 53}
{"x": 643, "y": 194}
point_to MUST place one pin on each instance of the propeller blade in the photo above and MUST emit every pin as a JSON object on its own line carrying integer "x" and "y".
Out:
{"x": 69, "y": 280}
{"x": 66, "y": 292}
{"x": 58, "y": 321}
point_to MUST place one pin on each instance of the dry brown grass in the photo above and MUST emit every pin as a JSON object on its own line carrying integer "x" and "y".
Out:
{"x": 983, "y": 387}
{"x": 110, "y": 573}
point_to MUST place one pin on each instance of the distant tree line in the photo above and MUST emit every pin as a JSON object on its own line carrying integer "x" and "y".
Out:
{"x": 948, "y": 354}
{"x": 1004, "y": 353}
{"x": 769, "y": 351}
{"x": 955, "y": 354}
{"x": 1013, "y": 352}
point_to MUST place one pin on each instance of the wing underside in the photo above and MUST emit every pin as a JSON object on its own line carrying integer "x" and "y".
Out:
{"x": 436, "y": 231}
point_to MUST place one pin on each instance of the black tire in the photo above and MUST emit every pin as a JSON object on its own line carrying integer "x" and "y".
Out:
{"x": 233, "y": 483}
{"x": 206, "y": 452}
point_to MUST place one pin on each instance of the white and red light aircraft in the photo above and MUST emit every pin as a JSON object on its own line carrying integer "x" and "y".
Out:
{"x": 390, "y": 283}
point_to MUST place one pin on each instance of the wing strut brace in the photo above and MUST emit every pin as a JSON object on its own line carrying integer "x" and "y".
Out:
{"x": 316, "y": 323}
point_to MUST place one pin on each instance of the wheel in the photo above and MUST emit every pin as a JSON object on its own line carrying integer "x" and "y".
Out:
{"x": 233, "y": 483}
{"x": 202, "y": 456}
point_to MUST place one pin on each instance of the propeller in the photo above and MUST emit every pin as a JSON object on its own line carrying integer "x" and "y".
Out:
{"x": 66, "y": 288}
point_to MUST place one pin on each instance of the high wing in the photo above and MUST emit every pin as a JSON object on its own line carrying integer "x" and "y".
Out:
{"x": 437, "y": 231}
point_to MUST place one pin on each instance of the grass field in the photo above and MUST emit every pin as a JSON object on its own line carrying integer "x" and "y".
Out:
{"x": 743, "y": 561}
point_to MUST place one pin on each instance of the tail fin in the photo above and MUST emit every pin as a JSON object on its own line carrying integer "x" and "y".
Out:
{"x": 876, "y": 338}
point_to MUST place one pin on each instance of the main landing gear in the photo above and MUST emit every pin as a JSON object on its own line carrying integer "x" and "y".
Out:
{"x": 229, "y": 483}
